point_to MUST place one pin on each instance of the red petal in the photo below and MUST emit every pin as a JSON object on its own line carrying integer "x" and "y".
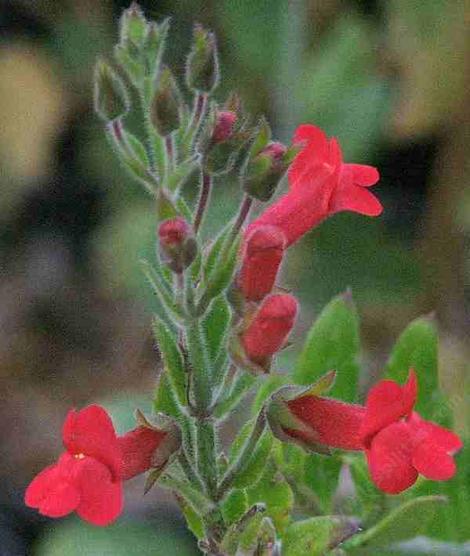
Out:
{"x": 441, "y": 436}
{"x": 386, "y": 403}
{"x": 91, "y": 432}
{"x": 101, "y": 497}
{"x": 364, "y": 175}
{"x": 309, "y": 133}
{"x": 336, "y": 424}
{"x": 432, "y": 461}
{"x": 389, "y": 459}
{"x": 51, "y": 494}
{"x": 350, "y": 197}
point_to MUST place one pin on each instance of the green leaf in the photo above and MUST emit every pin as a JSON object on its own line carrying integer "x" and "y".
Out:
{"x": 253, "y": 471}
{"x": 137, "y": 148}
{"x": 370, "y": 498}
{"x": 269, "y": 385}
{"x": 216, "y": 324}
{"x": 417, "y": 348}
{"x": 172, "y": 312}
{"x": 212, "y": 259}
{"x": 193, "y": 521}
{"x": 405, "y": 522}
{"x": 164, "y": 401}
{"x": 333, "y": 344}
{"x": 182, "y": 173}
{"x": 222, "y": 274}
{"x": 172, "y": 359}
{"x": 321, "y": 474}
{"x": 234, "y": 506}
{"x": 274, "y": 491}
{"x": 315, "y": 536}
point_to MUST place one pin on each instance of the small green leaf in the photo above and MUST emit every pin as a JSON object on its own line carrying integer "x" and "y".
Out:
{"x": 333, "y": 344}
{"x": 274, "y": 491}
{"x": 234, "y": 506}
{"x": 216, "y": 324}
{"x": 417, "y": 348}
{"x": 405, "y": 522}
{"x": 222, "y": 274}
{"x": 253, "y": 471}
{"x": 164, "y": 401}
{"x": 172, "y": 360}
{"x": 315, "y": 536}
{"x": 193, "y": 521}
{"x": 137, "y": 148}
{"x": 212, "y": 259}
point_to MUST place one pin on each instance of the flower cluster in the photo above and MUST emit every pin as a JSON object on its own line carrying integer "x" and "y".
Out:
{"x": 399, "y": 444}
{"x": 320, "y": 184}
{"x": 88, "y": 476}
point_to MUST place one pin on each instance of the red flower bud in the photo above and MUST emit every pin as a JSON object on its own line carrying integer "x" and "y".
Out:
{"x": 267, "y": 332}
{"x": 138, "y": 447}
{"x": 264, "y": 249}
{"x": 177, "y": 244}
{"x": 275, "y": 150}
{"x": 224, "y": 126}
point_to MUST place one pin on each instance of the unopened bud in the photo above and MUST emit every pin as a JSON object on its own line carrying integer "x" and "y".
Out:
{"x": 178, "y": 246}
{"x": 264, "y": 171}
{"x": 111, "y": 98}
{"x": 263, "y": 252}
{"x": 133, "y": 25}
{"x": 223, "y": 130}
{"x": 202, "y": 69}
{"x": 267, "y": 332}
{"x": 164, "y": 110}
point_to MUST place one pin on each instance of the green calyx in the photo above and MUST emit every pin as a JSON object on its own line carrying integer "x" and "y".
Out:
{"x": 111, "y": 98}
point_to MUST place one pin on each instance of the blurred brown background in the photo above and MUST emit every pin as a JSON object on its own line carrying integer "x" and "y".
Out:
{"x": 389, "y": 78}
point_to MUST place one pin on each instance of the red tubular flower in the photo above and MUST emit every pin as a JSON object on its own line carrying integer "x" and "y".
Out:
{"x": 138, "y": 448}
{"x": 263, "y": 252}
{"x": 398, "y": 443}
{"x": 88, "y": 477}
{"x": 321, "y": 184}
{"x": 272, "y": 323}
{"x": 336, "y": 424}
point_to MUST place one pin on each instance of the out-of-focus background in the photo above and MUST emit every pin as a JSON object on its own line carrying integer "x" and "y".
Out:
{"x": 389, "y": 78}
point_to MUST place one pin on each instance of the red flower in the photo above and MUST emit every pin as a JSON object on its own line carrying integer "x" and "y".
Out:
{"x": 398, "y": 443}
{"x": 263, "y": 252}
{"x": 88, "y": 477}
{"x": 321, "y": 184}
{"x": 267, "y": 332}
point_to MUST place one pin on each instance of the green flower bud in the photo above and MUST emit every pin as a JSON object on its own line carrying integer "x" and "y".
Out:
{"x": 111, "y": 98}
{"x": 164, "y": 110}
{"x": 202, "y": 69}
{"x": 133, "y": 25}
{"x": 264, "y": 171}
